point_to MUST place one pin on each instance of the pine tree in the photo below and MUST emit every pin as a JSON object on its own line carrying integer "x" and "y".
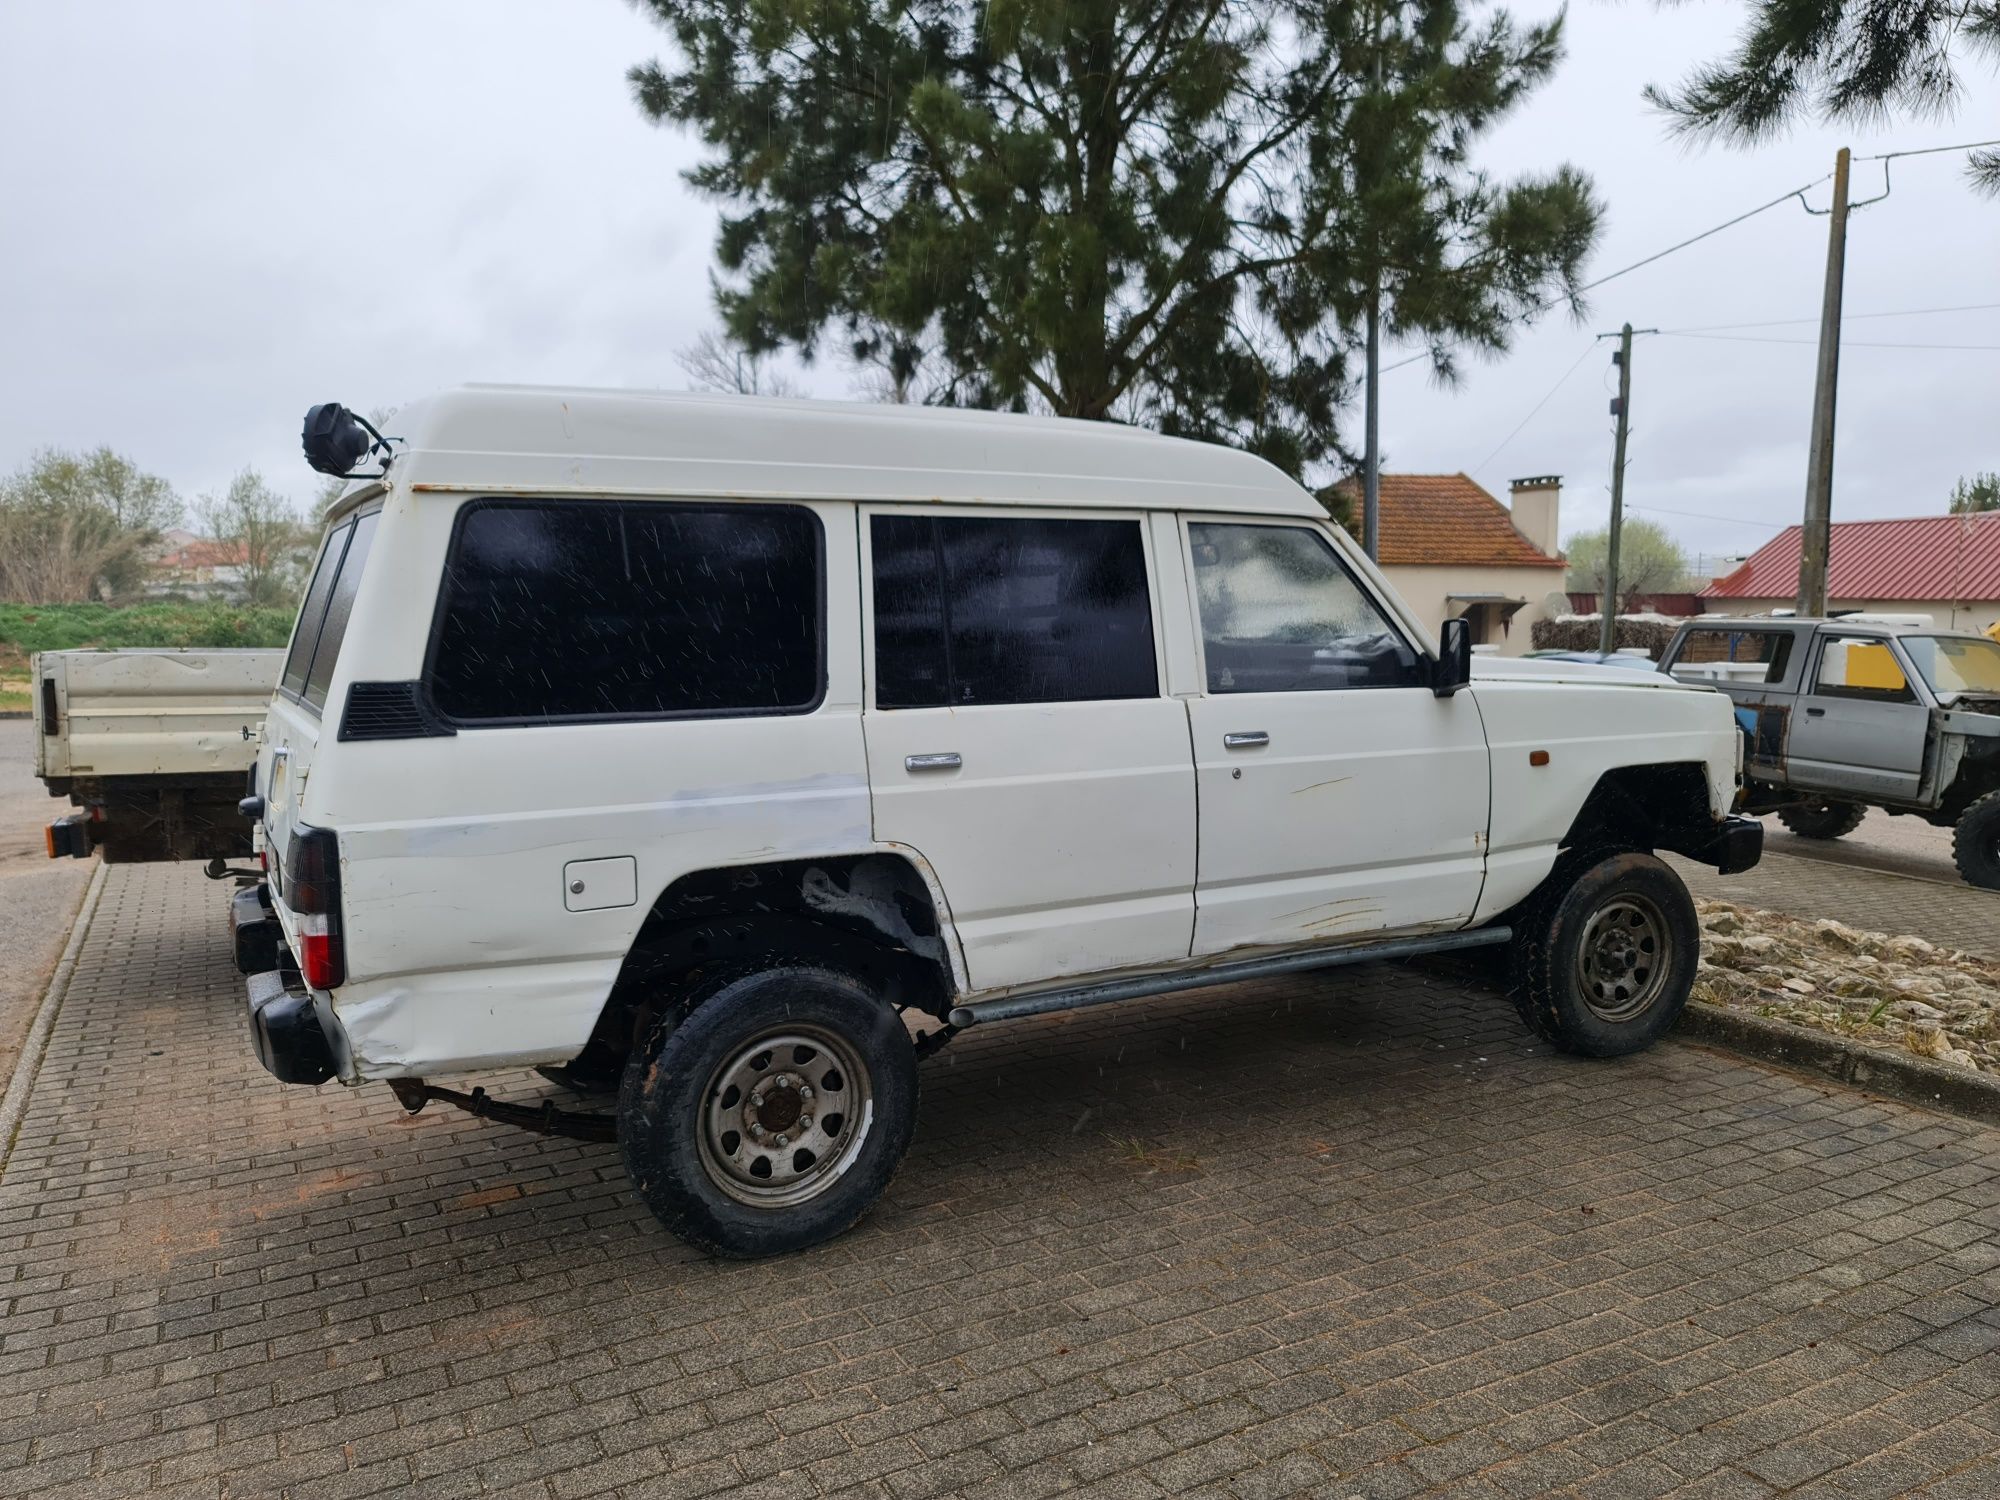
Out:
{"x": 1853, "y": 61}
{"x": 1164, "y": 211}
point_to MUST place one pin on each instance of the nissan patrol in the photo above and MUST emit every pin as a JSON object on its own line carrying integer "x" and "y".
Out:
{"x": 684, "y": 745}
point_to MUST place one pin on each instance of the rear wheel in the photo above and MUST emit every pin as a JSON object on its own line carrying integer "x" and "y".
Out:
{"x": 772, "y": 1113}
{"x": 1975, "y": 843}
{"x": 1824, "y": 819}
{"x": 1604, "y": 959}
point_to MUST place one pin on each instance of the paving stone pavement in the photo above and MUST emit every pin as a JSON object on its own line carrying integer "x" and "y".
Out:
{"x": 1956, "y": 916}
{"x": 1330, "y": 1236}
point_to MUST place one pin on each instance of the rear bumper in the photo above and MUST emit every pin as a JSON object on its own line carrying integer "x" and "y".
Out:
{"x": 285, "y": 1030}
{"x": 1737, "y": 845}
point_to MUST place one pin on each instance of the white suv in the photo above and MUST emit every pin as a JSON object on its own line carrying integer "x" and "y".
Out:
{"x": 680, "y": 745}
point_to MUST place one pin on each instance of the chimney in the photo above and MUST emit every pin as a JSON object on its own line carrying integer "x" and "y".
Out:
{"x": 1537, "y": 506}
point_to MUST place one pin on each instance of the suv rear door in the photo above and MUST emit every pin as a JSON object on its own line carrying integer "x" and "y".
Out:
{"x": 292, "y": 728}
{"x": 1020, "y": 739}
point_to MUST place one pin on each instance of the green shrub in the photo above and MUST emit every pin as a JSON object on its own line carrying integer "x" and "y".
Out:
{"x": 28, "y": 628}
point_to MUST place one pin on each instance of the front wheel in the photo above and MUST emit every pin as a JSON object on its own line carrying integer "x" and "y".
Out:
{"x": 1604, "y": 961}
{"x": 1975, "y": 843}
{"x": 1824, "y": 819}
{"x": 772, "y": 1113}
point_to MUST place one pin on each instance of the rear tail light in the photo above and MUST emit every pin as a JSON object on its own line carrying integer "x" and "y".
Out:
{"x": 312, "y": 891}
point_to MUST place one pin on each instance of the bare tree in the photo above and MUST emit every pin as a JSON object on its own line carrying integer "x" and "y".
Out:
{"x": 714, "y": 363}
{"x": 75, "y": 526}
{"x": 263, "y": 533}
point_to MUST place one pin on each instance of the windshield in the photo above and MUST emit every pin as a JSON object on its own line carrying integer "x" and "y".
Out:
{"x": 1954, "y": 664}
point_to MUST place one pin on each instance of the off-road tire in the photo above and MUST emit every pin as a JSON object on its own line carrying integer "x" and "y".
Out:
{"x": 1572, "y": 1005}
{"x": 666, "y": 1101}
{"x": 1975, "y": 843}
{"x": 1825, "y": 819}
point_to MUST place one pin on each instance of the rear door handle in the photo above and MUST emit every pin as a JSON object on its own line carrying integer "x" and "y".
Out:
{"x": 944, "y": 760}
{"x": 1245, "y": 739}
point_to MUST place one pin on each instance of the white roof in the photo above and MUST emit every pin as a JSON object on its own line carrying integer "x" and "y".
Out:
{"x": 550, "y": 439}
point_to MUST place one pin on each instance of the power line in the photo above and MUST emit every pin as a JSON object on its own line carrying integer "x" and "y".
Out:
{"x": 1908, "y": 312}
{"x": 1746, "y": 338}
{"x": 1561, "y": 381}
{"x": 1928, "y": 151}
{"x": 1588, "y": 286}
{"x": 1695, "y": 515}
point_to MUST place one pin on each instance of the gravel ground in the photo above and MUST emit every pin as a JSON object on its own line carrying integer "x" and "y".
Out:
{"x": 37, "y": 896}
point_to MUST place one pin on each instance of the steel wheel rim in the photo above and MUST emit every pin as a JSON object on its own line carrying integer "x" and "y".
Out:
{"x": 1622, "y": 958}
{"x": 784, "y": 1116}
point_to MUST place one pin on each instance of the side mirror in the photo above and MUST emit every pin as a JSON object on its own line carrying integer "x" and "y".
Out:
{"x": 1453, "y": 668}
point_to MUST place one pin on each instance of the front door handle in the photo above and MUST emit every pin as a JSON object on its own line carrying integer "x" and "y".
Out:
{"x": 1245, "y": 739}
{"x": 945, "y": 760}
{"x": 1815, "y": 713}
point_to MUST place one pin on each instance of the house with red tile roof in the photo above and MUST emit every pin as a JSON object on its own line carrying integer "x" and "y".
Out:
{"x": 1452, "y": 549}
{"x": 1947, "y": 567}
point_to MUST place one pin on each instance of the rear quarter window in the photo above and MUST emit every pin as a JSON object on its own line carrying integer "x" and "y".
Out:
{"x": 578, "y": 610}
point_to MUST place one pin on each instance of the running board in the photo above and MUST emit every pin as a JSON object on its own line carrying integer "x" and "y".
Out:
{"x": 1108, "y": 992}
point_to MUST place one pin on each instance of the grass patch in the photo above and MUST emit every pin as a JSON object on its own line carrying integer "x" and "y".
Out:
{"x": 28, "y": 628}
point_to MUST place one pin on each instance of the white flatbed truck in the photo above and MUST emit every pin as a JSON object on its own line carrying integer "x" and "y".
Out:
{"x": 152, "y": 746}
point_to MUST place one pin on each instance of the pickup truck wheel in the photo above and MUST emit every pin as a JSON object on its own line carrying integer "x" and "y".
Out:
{"x": 1824, "y": 819}
{"x": 1604, "y": 961}
{"x": 1975, "y": 843}
{"x": 770, "y": 1114}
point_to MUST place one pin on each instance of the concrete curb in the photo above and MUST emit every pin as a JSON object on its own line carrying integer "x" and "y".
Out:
{"x": 17, "y": 713}
{"x": 1915, "y": 1080}
{"x": 14, "y": 1103}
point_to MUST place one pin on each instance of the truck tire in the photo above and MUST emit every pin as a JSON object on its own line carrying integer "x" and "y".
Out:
{"x": 1606, "y": 955}
{"x": 1824, "y": 819}
{"x": 770, "y": 1111}
{"x": 1975, "y": 843}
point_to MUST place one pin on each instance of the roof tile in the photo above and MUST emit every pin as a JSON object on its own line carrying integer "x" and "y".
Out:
{"x": 1445, "y": 519}
{"x": 1944, "y": 558}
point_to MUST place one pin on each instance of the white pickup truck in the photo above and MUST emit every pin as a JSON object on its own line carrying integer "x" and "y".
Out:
{"x": 684, "y": 745}
{"x": 152, "y": 746}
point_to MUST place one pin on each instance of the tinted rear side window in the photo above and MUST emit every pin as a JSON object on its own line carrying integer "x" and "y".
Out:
{"x": 305, "y": 634}
{"x": 971, "y": 610}
{"x": 339, "y": 609}
{"x": 581, "y": 609}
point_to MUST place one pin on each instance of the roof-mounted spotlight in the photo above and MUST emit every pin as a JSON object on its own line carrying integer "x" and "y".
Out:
{"x": 336, "y": 439}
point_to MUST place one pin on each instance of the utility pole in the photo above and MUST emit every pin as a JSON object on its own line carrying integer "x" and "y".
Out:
{"x": 1816, "y": 535}
{"x": 1607, "y": 607}
{"x": 1371, "y": 455}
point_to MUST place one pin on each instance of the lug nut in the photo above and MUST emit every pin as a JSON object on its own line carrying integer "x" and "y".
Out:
{"x": 784, "y": 1140}
{"x": 758, "y": 1131}
{"x": 805, "y": 1124}
{"x": 805, "y": 1091}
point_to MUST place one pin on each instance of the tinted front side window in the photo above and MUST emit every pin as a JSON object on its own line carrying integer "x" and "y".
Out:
{"x": 972, "y": 610}
{"x": 339, "y": 609}
{"x": 1280, "y": 614}
{"x": 580, "y": 609}
{"x": 305, "y": 634}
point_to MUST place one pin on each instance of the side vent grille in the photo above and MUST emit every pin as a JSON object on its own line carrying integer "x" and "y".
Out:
{"x": 388, "y": 711}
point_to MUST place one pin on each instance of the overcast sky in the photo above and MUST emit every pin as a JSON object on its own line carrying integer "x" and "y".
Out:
{"x": 216, "y": 215}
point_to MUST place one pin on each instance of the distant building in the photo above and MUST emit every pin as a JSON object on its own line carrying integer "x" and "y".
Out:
{"x": 193, "y": 568}
{"x": 1451, "y": 549}
{"x": 1947, "y": 567}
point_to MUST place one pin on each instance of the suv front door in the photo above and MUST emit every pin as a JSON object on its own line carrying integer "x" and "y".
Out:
{"x": 1861, "y": 728}
{"x": 1339, "y": 797}
{"x": 1019, "y": 740}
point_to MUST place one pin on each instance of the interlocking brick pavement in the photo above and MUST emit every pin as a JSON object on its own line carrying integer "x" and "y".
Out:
{"x": 1955, "y": 916}
{"x": 1347, "y": 1235}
